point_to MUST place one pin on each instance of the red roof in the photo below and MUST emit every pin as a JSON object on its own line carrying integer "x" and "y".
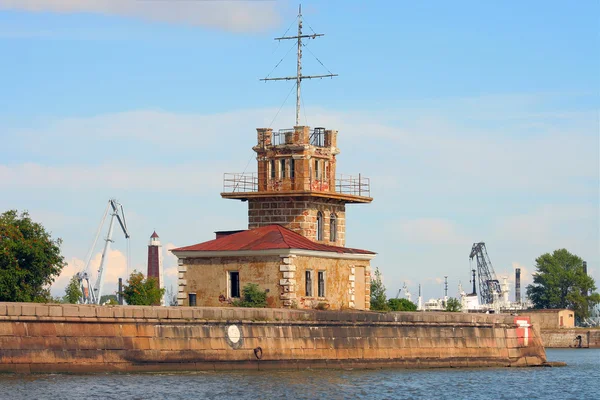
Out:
{"x": 267, "y": 238}
{"x": 154, "y": 235}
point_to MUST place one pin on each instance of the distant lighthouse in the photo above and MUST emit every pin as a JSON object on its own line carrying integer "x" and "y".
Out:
{"x": 155, "y": 265}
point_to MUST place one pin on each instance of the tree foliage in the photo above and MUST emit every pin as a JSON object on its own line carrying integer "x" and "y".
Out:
{"x": 401, "y": 305}
{"x": 378, "y": 296}
{"x": 560, "y": 282}
{"x": 140, "y": 291}
{"x": 109, "y": 300}
{"x": 252, "y": 296}
{"x": 453, "y": 305}
{"x": 30, "y": 259}
{"x": 73, "y": 291}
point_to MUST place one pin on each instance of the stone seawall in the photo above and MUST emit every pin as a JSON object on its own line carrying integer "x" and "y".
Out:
{"x": 576, "y": 337}
{"x": 71, "y": 338}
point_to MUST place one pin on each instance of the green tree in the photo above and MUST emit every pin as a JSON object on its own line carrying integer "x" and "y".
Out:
{"x": 142, "y": 292}
{"x": 453, "y": 305}
{"x": 401, "y": 305}
{"x": 560, "y": 282}
{"x": 378, "y": 297}
{"x": 30, "y": 259}
{"x": 252, "y": 296}
{"x": 73, "y": 291}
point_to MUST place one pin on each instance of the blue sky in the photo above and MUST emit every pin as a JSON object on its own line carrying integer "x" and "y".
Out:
{"x": 476, "y": 121}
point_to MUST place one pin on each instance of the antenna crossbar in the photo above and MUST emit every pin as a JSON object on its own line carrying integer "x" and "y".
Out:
{"x": 299, "y": 77}
{"x": 314, "y": 35}
{"x": 289, "y": 78}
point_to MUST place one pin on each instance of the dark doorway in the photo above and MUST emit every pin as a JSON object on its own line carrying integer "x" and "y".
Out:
{"x": 192, "y": 299}
{"x": 234, "y": 284}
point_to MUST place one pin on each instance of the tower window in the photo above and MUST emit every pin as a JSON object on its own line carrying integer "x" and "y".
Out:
{"x": 317, "y": 170}
{"x": 292, "y": 168}
{"x": 333, "y": 228}
{"x": 321, "y": 277}
{"x": 282, "y": 168}
{"x": 272, "y": 166}
{"x": 319, "y": 225}
{"x": 234, "y": 284}
{"x": 308, "y": 284}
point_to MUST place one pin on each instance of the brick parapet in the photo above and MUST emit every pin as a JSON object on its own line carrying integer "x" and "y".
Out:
{"x": 34, "y": 311}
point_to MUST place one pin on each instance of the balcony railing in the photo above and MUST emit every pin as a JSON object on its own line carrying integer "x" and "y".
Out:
{"x": 286, "y": 136}
{"x": 354, "y": 185}
{"x": 240, "y": 183}
{"x": 282, "y": 136}
{"x": 344, "y": 184}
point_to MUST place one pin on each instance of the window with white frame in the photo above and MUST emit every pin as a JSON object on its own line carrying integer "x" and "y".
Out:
{"x": 321, "y": 281}
{"x": 333, "y": 228}
{"x": 317, "y": 170}
{"x": 308, "y": 284}
{"x": 282, "y": 168}
{"x": 319, "y": 225}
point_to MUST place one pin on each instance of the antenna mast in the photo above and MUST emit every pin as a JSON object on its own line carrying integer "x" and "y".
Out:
{"x": 299, "y": 77}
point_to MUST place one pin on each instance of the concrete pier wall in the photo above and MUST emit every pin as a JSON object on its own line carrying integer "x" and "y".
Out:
{"x": 82, "y": 338}
{"x": 565, "y": 338}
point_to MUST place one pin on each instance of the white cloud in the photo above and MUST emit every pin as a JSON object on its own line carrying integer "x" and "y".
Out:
{"x": 185, "y": 177}
{"x": 115, "y": 268}
{"x": 74, "y": 265}
{"x": 236, "y": 16}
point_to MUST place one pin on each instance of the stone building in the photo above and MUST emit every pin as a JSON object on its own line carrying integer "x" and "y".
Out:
{"x": 551, "y": 318}
{"x": 294, "y": 245}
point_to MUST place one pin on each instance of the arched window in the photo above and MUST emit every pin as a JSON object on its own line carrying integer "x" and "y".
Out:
{"x": 319, "y": 225}
{"x": 333, "y": 228}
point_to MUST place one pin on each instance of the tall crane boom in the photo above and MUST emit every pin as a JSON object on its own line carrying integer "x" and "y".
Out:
{"x": 489, "y": 286}
{"x": 119, "y": 214}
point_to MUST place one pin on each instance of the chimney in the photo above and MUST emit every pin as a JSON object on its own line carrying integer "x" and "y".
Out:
{"x": 220, "y": 234}
{"x": 473, "y": 280}
{"x": 518, "y": 285}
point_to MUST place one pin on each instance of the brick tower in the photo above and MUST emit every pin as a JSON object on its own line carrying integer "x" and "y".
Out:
{"x": 296, "y": 184}
{"x": 155, "y": 265}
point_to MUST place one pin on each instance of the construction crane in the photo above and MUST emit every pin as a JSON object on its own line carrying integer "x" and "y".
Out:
{"x": 92, "y": 295}
{"x": 489, "y": 286}
{"x": 407, "y": 293}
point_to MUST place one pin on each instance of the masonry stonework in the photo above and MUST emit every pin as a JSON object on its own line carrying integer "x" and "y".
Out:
{"x": 283, "y": 276}
{"x": 300, "y": 215}
{"x": 42, "y": 338}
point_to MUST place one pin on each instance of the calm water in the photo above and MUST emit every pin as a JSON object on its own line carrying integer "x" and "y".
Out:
{"x": 580, "y": 380}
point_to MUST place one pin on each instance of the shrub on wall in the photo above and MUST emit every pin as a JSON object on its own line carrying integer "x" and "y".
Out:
{"x": 252, "y": 296}
{"x": 140, "y": 291}
{"x": 322, "y": 306}
{"x": 453, "y": 305}
{"x": 401, "y": 305}
{"x": 378, "y": 297}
